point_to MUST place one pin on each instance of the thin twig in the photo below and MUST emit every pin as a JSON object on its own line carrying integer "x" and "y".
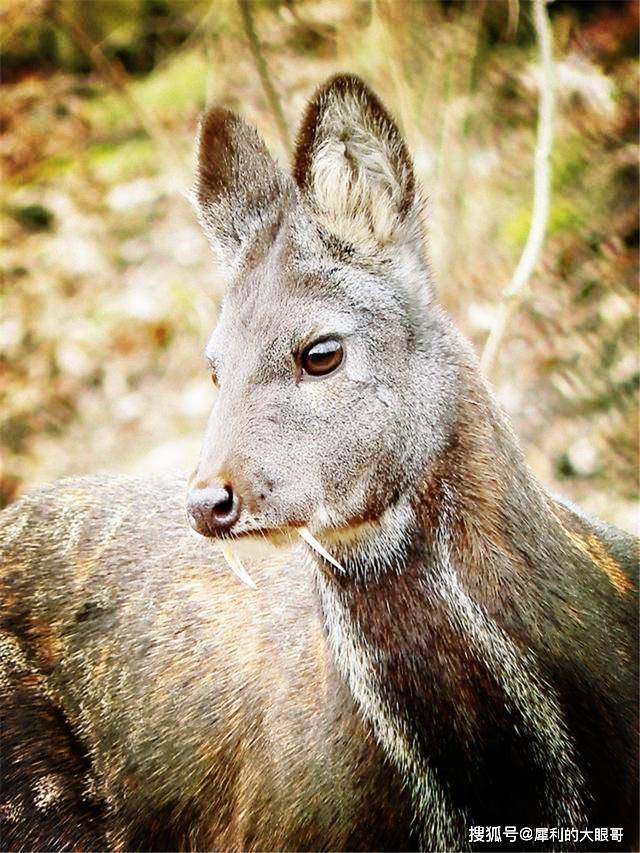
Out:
{"x": 115, "y": 77}
{"x": 512, "y": 19}
{"x": 269, "y": 89}
{"x": 452, "y": 173}
{"x": 515, "y": 291}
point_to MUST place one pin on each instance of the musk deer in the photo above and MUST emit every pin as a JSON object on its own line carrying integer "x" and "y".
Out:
{"x": 443, "y": 646}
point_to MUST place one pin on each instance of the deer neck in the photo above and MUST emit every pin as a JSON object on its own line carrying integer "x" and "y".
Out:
{"x": 415, "y": 625}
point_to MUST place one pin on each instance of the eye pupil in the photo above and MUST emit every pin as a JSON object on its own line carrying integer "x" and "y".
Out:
{"x": 322, "y": 357}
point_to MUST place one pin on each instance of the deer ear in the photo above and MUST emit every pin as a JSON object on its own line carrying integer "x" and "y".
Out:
{"x": 239, "y": 191}
{"x": 352, "y": 166}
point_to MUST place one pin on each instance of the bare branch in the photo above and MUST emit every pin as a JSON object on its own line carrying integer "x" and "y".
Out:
{"x": 516, "y": 290}
{"x": 258, "y": 57}
{"x": 512, "y": 20}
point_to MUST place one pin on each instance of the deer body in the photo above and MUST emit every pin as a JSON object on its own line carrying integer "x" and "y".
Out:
{"x": 182, "y": 754}
{"x": 472, "y": 662}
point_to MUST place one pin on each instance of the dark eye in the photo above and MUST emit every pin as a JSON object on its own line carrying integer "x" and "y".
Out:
{"x": 322, "y": 357}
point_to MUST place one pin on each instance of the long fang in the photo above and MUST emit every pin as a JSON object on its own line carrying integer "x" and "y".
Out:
{"x": 233, "y": 561}
{"x": 311, "y": 540}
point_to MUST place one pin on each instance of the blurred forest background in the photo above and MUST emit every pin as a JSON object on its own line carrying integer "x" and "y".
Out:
{"x": 109, "y": 290}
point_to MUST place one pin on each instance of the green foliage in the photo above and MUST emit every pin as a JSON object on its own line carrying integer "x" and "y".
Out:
{"x": 33, "y": 217}
{"x": 569, "y": 164}
{"x": 112, "y": 162}
{"x": 563, "y": 216}
{"x": 176, "y": 87}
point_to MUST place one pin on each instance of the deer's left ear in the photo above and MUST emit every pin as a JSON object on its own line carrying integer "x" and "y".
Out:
{"x": 352, "y": 166}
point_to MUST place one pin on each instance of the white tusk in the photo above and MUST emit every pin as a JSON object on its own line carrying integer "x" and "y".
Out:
{"x": 233, "y": 561}
{"x": 311, "y": 540}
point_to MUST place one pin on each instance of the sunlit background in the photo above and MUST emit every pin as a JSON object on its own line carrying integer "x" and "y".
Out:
{"x": 109, "y": 289}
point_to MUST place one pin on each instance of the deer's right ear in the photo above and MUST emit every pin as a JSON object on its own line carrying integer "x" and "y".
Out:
{"x": 239, "y": 190}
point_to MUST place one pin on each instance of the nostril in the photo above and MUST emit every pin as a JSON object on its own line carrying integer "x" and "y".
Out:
{"x": 224, "y": 504}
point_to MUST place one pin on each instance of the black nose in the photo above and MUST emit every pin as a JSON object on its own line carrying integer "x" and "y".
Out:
{"x": 213, "y": 509}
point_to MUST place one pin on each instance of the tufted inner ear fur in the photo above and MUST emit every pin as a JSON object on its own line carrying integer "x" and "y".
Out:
{"x": 240, "y": 192}
{"x": 354, "y": 170}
